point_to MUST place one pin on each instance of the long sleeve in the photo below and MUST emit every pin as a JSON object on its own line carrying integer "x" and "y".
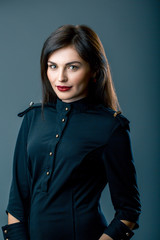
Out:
{"x": 122, "y": 180}
{"x": 19, "y": 198}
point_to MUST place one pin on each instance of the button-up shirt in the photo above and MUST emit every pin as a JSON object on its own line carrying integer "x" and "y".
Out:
{"x": 64, "y": 157}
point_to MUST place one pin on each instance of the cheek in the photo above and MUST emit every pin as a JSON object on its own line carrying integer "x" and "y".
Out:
{"x": 82, "y": 79}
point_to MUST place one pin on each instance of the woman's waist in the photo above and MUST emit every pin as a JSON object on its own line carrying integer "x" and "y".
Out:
{"x": 62, "y": 211}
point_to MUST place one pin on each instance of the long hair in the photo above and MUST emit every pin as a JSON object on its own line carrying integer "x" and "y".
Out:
{"x": 90, "y": 49}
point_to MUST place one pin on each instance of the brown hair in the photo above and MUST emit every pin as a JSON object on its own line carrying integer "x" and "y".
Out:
{"x": 90, "y": 49}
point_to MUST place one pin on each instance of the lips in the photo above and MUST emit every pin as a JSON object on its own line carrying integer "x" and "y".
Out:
{"x": 63, "y": 88}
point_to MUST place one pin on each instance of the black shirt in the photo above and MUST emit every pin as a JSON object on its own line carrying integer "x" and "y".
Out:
{"x": 63, "y": 160}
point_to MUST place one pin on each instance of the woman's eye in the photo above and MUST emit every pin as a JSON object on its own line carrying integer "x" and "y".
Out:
{"x": 52, "y": 66}
{"x": 73, "y": 67}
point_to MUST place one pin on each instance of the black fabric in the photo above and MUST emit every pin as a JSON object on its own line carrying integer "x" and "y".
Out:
{"x": 118, "y": 230}
{"x": 63, "y": 160}
{"x": 16, "y": 231}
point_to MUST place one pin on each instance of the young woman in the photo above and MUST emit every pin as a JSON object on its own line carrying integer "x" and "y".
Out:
{"x": 70, "y": 146}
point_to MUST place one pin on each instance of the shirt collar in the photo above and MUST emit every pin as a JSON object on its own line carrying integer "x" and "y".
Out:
{"x": 75, "y": 106}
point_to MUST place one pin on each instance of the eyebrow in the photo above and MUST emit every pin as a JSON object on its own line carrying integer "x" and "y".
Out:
{"x": 69, "y": 63}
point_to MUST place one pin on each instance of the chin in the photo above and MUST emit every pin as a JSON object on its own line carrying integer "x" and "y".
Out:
{"x": 64, "y": 96}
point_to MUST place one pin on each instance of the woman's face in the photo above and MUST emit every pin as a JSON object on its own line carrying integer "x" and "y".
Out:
{"x": 68, "y": 74}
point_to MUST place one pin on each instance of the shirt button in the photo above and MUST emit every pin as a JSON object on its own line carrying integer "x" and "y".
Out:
{"x": 48, "y": 173}
{"x": 50, "y": 153}
{"x": 31, "y": 104}
{"x": 57, "y": 135}
{"x": 66, "y": 108}
{"x": 127, "y": 234}
{"x": 63, "y": 119}
{"x": 5, "y": 231}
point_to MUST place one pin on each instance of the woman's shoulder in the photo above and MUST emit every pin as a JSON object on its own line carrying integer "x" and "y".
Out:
{"x": 115, "y": 116}
{"x": 33, "y": 106}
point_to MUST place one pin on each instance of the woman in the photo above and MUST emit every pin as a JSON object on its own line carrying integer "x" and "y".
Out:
{"x": 70, "y": 146}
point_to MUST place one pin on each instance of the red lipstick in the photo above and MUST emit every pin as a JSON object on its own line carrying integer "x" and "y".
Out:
{"x": 63, "y": 88}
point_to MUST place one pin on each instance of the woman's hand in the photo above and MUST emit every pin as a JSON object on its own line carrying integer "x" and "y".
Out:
{"x": 105, "y": 237}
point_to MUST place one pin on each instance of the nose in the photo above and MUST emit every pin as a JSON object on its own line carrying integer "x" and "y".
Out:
{"x": 62, "y": 77}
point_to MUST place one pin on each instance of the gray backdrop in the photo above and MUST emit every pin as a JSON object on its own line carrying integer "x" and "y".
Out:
{"x": 130, "y": 33}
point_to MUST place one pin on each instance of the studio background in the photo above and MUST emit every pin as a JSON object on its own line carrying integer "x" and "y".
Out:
{"x": 130, "y": 33}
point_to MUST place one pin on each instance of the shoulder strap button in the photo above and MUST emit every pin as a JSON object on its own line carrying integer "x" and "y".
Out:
{"x": 116, "y": 113}
{"x": 31, "y": 104}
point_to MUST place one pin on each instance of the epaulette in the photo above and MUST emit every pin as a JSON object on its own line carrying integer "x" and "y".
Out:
{"x": 123, "y": 120}
{"x": 31, "y": 106}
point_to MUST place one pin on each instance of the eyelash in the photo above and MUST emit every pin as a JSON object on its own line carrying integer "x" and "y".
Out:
{"x": 54, "y": 67}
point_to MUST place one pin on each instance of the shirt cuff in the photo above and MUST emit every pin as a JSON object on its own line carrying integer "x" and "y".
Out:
{"x": 15, "y": 231}
{"x": 118, "y": 230}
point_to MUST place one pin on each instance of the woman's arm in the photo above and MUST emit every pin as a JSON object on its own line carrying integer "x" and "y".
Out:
{"x": 19, "y": 197}
{"x": 12, "y": 219}
{"x": 105, "y": 237}
{"x": 121, "y": 175}
{"x": 131, "y": 225}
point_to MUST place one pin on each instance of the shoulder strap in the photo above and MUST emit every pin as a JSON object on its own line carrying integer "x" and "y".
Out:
{"x": 117, "y": 115}
{"x": 31, "y": 106}
{"x": 123, "y": 120}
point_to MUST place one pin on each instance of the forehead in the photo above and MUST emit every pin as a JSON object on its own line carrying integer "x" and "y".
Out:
{"x": 66, "y": 54}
